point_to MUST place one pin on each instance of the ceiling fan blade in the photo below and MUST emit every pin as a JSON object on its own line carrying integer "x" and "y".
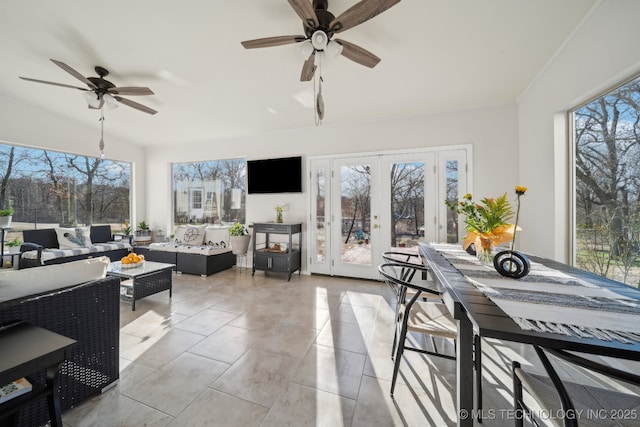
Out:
{"x": 52, "y": 83}
{"x": 131, "y": 91}
{"x": 74, "y": 73}
{"x": 359, "y": 13}
{"x": 272, "y": 41}
{"x": 358, "y": 54}
{"x": 135, "y": 105}
{"x": 305, "y": 11}
{"x": 308, "y": 68}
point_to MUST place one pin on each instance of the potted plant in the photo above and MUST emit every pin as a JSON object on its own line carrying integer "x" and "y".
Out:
{"x": 15, "y": 243}
{"x": 5, "y": 217}
{"x": 143, "y": 234}
{"x": 239, "y": 239}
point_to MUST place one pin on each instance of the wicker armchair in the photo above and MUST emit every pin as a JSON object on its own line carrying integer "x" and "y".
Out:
{"x": 88, "y": 313}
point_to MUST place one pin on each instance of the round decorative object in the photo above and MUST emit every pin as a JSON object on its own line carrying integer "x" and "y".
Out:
{"x": 511, "y": 264}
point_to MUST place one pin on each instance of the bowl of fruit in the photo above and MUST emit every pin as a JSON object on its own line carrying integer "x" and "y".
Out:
{"x": 132, "y": 260}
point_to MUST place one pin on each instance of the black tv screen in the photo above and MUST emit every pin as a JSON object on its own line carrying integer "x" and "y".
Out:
{"x": 282, "y": 175}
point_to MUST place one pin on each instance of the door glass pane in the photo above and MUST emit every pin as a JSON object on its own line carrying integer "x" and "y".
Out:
{"x": 407, "y": 204}
{"x": 452, "y": 179}
{"x": 321, "y": 236}
{"x": 355, "y": 207}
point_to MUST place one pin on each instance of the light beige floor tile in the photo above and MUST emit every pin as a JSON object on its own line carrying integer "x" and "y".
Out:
{"x": 227, "y": 344}
{"x": 302, "y": 406}
{"x": 346, "y": 336}
{"x": 213, "y": 408}
{"x": 132, "y": 373}
{"x": 162, "y": 347}
{"x": 332, "y": 370}
{"x": 207, "y": 321}
{"x": 290, "y": 340}
{"x": 410, "y": 406}
{"x": 115, "y": 409}
{"x": 258, "y": 376}
{"x": 359, "y": 315}
{"x": 173, "y": 387}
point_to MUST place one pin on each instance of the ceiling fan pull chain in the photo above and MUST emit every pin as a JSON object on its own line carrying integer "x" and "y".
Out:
{"x": 101, "y": 145}
{"x": 318, "y": 103}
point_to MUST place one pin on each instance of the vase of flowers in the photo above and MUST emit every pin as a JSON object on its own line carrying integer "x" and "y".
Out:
{"x": 279, "y": 210}
{"x": 486, "y": 222}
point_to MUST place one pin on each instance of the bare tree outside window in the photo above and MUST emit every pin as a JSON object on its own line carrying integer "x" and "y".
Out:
{"x": 607, "y": 189}
{"x": 48, "y": 188}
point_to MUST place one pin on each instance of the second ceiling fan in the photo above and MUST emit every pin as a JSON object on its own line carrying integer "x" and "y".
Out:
{"x": 320, "y": 26}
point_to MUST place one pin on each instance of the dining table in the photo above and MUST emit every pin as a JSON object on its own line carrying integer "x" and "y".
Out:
{"x": 555, "y": 306}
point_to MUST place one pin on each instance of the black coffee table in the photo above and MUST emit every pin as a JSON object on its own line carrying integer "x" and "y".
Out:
{"x": 147, "y": 279}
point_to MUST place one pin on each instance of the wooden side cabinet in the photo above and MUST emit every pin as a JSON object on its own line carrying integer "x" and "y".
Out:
{"x": 272, "y": 256}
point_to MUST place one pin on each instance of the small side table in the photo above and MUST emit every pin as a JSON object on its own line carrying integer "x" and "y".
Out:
{"x": 27, "y": 349}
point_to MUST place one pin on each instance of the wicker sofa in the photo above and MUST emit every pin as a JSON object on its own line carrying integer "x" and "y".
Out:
{"x": 43, "y": 247}
{"x": 88, "y": 312}
{"x": 202, "y": 250}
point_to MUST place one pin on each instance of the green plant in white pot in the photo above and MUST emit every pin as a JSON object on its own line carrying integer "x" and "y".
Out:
{"x": 5, "y": 217}
{"x": 239, "y": 238}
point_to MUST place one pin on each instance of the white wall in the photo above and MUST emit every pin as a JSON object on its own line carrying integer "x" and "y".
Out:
{"x": 492, "y": 131}
{"x": 602, "y": 52}
{"x": 24, "y": 125}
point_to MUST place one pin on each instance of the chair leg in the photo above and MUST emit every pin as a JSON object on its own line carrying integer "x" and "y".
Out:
{"x": 477, "y": 352}
{"x": 399, "y": 352}
{"x": 517, "y": 395}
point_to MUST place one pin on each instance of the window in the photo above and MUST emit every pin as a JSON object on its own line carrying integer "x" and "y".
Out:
{"x": 196, "y": 199}
{"x": 221, "y": 182}
{"x": 51, "y": 189}
{"x": 607, "y": 184}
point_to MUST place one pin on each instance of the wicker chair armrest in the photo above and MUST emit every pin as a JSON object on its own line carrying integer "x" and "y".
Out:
{"x": 28, "y": 246}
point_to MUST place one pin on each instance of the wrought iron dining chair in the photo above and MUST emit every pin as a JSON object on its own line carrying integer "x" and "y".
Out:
{"x": 414, "y": 314}
{"x": 405, "y": 272}
{"x": 579, "y": 404}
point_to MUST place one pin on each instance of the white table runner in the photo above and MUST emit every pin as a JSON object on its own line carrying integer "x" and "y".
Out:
{"x": 549, "y": 300}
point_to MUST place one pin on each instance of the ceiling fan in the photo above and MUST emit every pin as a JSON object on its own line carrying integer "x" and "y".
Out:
{"x": 320, "y": 26}
{"x": 100, "y": 90}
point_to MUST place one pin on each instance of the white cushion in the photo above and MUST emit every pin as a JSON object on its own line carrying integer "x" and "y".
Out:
{"x": 31, "y": 281}
{"x": 190, "y": 234}
{"x": 201, "y": 250}
{"x": 216, "y": 235}
{"x": 77, "y": 237}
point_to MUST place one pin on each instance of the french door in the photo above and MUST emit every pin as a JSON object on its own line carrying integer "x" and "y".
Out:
{"x": 364, "y": 205}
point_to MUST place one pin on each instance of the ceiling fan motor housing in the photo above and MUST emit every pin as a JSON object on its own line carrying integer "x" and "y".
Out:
{"x": 324, "y": 19}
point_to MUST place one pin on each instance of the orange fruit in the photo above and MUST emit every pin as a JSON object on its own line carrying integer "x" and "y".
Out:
{"x": 141, "y": 257}
{"x": 126, "y": 260}
{"x": 135, "y": 259}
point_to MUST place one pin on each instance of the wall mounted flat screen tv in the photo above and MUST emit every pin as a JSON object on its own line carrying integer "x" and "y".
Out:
{"x": 283, "y": 175}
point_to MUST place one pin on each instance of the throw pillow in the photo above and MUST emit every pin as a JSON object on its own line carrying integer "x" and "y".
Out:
{"x": 190, "y": 235}
{"x": 70, "y": 238}
{"x": 217, "y": 236}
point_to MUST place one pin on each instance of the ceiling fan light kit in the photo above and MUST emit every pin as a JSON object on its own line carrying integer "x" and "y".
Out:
{"x": 319, "y": 27}
{"x": 101, "y": 92}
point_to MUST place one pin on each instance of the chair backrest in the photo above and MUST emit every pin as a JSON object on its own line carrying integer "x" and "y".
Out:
{"x": 404, "y": 259}
{"x": 565, "y": 400}
{"x": 395, "y": 275}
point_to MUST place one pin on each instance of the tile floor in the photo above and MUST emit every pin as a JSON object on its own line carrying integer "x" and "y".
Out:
{"x": 234, "y": 349}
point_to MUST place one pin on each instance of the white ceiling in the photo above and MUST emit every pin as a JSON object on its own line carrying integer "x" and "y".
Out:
{"x": 436, "y": 55}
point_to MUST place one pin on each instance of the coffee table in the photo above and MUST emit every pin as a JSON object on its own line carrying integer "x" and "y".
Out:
{"x": 148, "y": 279}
